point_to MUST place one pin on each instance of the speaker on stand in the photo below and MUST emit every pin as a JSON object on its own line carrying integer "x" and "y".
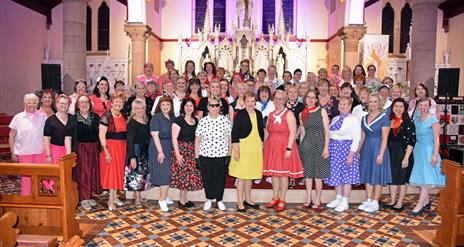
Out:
{"x": 448, "y": 87}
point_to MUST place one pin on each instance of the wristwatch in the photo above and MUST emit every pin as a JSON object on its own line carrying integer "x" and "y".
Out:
{"x": 289, "y": 149}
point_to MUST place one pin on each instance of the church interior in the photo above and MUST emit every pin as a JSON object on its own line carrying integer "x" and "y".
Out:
{"x": 53, "y": 43}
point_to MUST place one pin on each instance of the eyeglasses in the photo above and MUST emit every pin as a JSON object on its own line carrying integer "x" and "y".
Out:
{"x": 310, "y": 97}
{"x": 84, "y": 102}
{"x": 214, "y": 105}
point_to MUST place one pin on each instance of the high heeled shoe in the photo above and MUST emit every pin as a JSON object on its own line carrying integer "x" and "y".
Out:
{"x": 111, "y": 207}
{"x": 427, "y": 206}
{"x": 273, "y": 203}
{"x": 280, "y": 206}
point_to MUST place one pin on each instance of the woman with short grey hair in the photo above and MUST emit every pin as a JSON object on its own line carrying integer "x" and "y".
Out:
{"x": 26, "y": 137}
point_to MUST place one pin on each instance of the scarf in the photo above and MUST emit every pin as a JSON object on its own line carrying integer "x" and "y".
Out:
{"x": 305, "y": 113}
{"x": 396, "y": 125}
{"x": 264, "y": 105}
{"x": 338, "y": 124}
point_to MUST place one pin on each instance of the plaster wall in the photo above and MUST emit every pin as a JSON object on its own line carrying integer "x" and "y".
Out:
{"x": 22, "y": 44}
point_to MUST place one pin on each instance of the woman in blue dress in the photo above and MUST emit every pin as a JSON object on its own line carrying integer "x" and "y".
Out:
{"x": 160, "y": 149}
{"x": 426, "y": 172}
{"x": 375, "y": 170}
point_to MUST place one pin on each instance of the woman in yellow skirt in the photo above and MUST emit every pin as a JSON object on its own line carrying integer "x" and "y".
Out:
{"x": 247, "y": 151}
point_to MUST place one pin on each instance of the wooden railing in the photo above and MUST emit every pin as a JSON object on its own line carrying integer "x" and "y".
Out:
{"x": 451, "y": 206}
{"x": 50, "y": 209}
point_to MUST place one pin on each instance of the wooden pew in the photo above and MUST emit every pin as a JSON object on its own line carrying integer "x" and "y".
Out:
{"x": 451, "y": 206}
{"x": 50, "y": 209}
{"x": 8, "y": 232}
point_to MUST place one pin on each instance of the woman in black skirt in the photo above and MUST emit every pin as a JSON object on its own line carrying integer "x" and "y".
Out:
{"x": 401, "y": 140}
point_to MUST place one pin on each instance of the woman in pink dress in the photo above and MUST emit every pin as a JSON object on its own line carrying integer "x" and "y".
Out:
{"x": 281, "y": 158}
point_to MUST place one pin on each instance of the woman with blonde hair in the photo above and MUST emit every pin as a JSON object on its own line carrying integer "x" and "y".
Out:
{"x": 375, "y": 170}
{"x": 112, "y": 135}
{"x": 214, "y": 92}
{"x": 58, "y": 131}
{"x": 281, "y": 158}
{"x": 247, "y": 162}
{"x": 137, "y": 137}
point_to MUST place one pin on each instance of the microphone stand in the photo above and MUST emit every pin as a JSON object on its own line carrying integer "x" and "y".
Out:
{"x": 445, "y": 132}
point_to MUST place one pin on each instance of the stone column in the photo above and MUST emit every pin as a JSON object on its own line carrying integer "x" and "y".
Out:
{"x": 138, "y": 34}
{"x": 74, "y": 49}
{"x": 423, "y": 43}
{"x": 351, "y": 35}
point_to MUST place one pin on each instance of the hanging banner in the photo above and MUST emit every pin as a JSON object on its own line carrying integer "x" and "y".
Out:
{"x": 375, "y": 51}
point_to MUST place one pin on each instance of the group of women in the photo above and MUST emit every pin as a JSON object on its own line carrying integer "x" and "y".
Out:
{"x": 203, "y": 128}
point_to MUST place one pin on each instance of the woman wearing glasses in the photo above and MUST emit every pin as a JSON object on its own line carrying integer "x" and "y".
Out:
{"x": 58, "y": 131}
{"x": 214, "y": 92}
{"x": 86, "y": 144}
{"x": 212, "y": 146}
{"x": 101, "y": 96}
{"x": 281, "y": 158}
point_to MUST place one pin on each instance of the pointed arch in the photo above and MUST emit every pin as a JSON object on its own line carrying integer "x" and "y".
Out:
{"x": 388, "y": 23}
{"x": 268, "y": 15}
{"x": 103, "y": 27}
{"x": 287, "y": 8}
{"x": 406, "y": 17}
{"x": 200, "y": 11}
{"x": 219, "y": 14}
{"x": 88, "y": 29}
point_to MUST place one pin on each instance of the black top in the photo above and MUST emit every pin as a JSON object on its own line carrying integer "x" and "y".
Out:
{"x": 87, "y": 128}
{"x": 355, "y": 103}
{"x": 296, "y": 109}
{"x": 126, "y": 110}
{"x": 137, "y": 133}
{"x": 55, "y": 129}
{"x": 203, "y": 106}
{"x": 242, "y": 125}
{"x": 187, "y": 131}
{"x": 406, "y": 134}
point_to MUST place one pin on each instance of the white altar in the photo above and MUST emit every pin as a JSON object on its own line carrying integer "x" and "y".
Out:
{"x": 227, "y": 50}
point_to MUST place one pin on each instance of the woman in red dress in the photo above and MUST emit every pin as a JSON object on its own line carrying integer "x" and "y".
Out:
{"x": 281, "y": 157}
{"x": 112, "y": 134}
{"x": 100, "y": 97}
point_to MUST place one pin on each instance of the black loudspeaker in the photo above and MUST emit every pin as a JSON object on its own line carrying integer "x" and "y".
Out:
{"x": 51, "y": 77}
{"x": 448, "y": 82}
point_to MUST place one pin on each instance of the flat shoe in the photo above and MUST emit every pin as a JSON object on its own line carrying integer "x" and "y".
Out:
{"x": 253, "y": 206}
{"x": 397, "y": 209}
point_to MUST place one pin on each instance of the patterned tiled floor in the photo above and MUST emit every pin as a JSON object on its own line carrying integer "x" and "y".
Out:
{"x": 149, "y": 226}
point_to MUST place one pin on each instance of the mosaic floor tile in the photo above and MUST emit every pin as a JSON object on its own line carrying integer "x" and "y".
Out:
{"x": 128, "y": 226}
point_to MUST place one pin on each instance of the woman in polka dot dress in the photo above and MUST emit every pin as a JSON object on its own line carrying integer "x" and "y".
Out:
{"x": 345, "y": 134}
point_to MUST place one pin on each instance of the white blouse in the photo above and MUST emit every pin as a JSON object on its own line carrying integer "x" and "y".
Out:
{"x": 214, "y": 136}
{"x": 270, "y": 107}
{"x": 29, "y": 129}
{"x": 350, "y": 130}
